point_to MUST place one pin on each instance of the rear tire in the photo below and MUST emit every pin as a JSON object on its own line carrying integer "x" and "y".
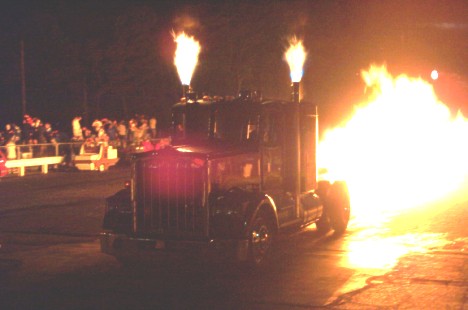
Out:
{"x": 323, "y": 225}
{"x": 339, "y": 207}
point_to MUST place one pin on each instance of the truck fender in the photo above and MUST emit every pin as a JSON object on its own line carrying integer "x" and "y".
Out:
{"x": 118, "y": 212}
{"x": 122, "y": 197}
{"x": 233, "y": 211}
{"x": 263, "y": 204}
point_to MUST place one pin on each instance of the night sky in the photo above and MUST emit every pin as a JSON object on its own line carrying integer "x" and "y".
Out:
{"x": 115, "y": 58}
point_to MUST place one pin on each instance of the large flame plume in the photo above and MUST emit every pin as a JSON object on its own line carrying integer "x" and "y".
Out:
{"x": 402, "y": 148}
{"x": 295, "y": 56}
{"x": 186, "y": 56}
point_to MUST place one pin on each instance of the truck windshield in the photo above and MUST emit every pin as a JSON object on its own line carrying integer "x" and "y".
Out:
{"x": 191, "y": 122}
{"x": 236, "y": 123}
{"x": 231, "y": 122}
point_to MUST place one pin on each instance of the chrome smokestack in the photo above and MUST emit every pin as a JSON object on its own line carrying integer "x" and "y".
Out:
{"x": 295, "y": 86}
{"x": 188, "y": 94}
{"x": 295, "y": 95}
{"x": 185, "y": 90}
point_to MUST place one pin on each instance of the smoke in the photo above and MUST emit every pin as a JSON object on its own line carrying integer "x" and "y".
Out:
{"x": 186, "y": 21}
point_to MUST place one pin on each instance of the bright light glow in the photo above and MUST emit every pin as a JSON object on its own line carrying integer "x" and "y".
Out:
{"x": 186, "y": 56}
{"x": 434, "y": 75}
{"x": 295, "y": 56}
{"x": 374, "y": 252}
{"x": 401, "y": 149}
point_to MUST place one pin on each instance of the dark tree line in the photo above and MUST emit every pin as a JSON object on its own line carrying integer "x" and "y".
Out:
{"x": 115, "y": 58}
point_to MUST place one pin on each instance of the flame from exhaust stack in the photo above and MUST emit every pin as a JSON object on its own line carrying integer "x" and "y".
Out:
{"x": 402, "y": 148}
{"x": 295, "y": 56}
{"x": 186, "y": 56}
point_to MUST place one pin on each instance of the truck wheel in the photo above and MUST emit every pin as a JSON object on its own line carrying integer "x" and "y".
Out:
{"x": 102, "y": 167}
{"x": 339, "y": 207}
{"x": 323, "y": 224}
{"x": 261, "y": 238}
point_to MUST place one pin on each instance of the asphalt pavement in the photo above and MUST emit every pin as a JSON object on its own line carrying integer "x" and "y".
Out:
{"x": 50, "y": 259}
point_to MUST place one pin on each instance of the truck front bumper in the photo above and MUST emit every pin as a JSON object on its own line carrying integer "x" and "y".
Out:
{"x": 121, "y": 245}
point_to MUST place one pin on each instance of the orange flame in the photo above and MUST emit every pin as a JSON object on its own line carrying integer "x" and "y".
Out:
{"x": 186, "y": 56}
{"x": 295, "y": 56}
{"x": 401, "y": 149}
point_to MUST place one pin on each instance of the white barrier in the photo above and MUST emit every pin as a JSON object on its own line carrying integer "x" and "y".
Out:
{"x": 44, "y": 162}
{"x": 99, "y": 157}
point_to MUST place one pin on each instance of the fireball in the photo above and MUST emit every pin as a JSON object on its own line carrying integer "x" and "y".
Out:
{"x": 186, "y": 56}
{"x": 401, "y": 148}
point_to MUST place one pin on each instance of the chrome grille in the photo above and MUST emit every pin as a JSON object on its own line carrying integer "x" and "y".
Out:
{"x": 170, "y": 197}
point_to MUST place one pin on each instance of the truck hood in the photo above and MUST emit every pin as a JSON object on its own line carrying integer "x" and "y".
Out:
{"x": 202, "y": 150}
{"x": 213, "y": 150}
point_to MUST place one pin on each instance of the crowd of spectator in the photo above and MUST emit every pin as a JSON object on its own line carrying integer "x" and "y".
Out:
{"x": 120, "y": 134}
{"x": 32, "y": 131}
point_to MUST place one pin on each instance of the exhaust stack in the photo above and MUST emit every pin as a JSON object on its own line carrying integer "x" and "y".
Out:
{"x": 295, "y": 94}
{"x": 185, "y": 90}
{"x": 295, "y": 56}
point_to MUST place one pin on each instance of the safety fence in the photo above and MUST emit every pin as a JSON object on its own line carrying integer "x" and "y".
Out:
{"x": 28, "y": 151}
{"x": 16, "y": 158}
{"x": 22, "y": 156}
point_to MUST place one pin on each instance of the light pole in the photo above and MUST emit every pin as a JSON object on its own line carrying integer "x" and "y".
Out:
{"x": 23, "y": 78}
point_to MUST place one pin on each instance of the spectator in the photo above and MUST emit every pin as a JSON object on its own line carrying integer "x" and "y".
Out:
{"x": 9, "y": 133}
{"x": 17, "y": 131}
{"x": 49, "y": 133}
{"x": 60, "y": 136}
{"x": 111, "y": 131}
{"x": 102, "y": 137}
{"x": 10, "y": 142}
{"x": 152, "y": 126}
{"x": 143, "y": 131}
{"x": 87, "y": 133}
{"x": 76, "y": 128}
{"x": 27, "y": 129}
{"x": 39, "y": 136}
{"x": 122, "y": 131}
{"x": 132, "y": 128}
{"x": 97, "y": 125}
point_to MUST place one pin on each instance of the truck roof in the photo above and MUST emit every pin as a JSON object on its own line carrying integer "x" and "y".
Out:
{"x": 239, "y": 101}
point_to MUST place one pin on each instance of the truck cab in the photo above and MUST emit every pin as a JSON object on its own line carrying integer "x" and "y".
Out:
{"x": 238, "y": 172}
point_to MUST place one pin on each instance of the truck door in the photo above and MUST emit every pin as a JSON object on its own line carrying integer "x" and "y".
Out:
{"x": 272, "y": 148}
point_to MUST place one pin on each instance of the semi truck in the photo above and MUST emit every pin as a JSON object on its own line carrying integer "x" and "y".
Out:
{"x": 237, "y": 173}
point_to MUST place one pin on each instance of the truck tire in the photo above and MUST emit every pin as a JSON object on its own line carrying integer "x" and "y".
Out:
{"x": 338, "y": 207}
{"x": 261, "y": 236}
{"x": 323, "y": 224}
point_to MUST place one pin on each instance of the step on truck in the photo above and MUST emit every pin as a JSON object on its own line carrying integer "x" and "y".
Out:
{"x": 237, "y": 173}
